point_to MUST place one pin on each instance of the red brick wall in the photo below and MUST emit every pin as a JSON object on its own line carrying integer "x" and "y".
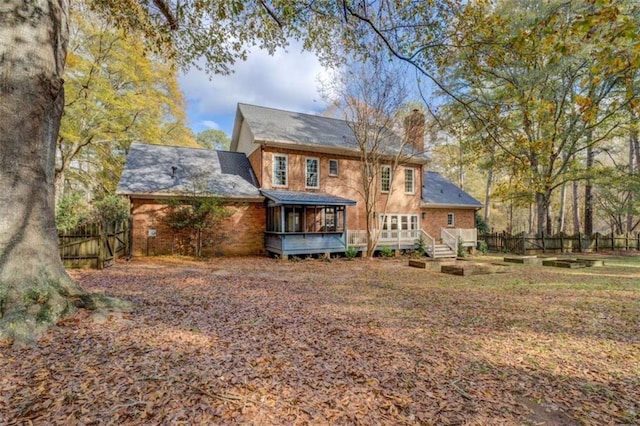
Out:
{"x": 348, "y": 183}
{"x": 240, "y": 234}
{"x": 437, "y": 218}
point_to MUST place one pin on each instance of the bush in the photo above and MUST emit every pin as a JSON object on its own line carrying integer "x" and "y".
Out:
{"x": 483, "y": 247}
{"x": 350, "y": 253}
{"x": 72, "y": 211}
{"x": 482, "y": 226}
{"x": 386, "y": 252}
{"x": 111, "y": 208}
{"x": 461, "y": 251}
{"x": 421, "y": 245}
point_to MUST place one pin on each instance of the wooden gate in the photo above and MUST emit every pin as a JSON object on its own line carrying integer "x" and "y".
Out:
{"x": 94, "y": 245}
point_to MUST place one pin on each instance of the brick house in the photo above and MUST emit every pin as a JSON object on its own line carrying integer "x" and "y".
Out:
{"x": 295, "y": 183}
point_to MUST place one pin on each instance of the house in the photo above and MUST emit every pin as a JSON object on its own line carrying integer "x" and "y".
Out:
{"x": 302, "y": 175}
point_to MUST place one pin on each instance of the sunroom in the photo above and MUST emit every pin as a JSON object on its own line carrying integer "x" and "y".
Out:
{"x": 305, "y": 223}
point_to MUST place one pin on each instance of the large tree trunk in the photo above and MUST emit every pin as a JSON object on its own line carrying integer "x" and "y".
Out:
{"x": 575, "y": 207}
{"x": 35, "y": 290}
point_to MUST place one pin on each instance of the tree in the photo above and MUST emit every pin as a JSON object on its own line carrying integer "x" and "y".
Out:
{"x": 193, "y": 213}
{"x": 371, "y": 97}
{"x": 115, "y": 94}
{"x": 213, "y": 139}
{"x": 35, "y": 290}
{"x": 33, "y": 45}
{"x": 526, "y": 75}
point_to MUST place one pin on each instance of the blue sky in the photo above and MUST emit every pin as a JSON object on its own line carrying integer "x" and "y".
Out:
{"x": 288, "y": 80}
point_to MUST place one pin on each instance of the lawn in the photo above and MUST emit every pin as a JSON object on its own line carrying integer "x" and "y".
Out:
{"x": 262, "y": 341}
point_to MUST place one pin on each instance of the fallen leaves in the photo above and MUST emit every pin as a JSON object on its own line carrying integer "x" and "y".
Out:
{"x": 368, "y": 342}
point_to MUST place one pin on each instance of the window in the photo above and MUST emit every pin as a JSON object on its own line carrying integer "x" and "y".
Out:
{"x": 450, "y": 219}
{"x": 312, "y": 173}
{"x": 333, "y": 167}
{"x": 279, "y": 170}
{"x": 409, "y": 181}
{"x": 385, "y": 178}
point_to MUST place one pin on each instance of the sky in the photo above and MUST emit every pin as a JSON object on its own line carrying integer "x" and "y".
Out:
{"x": 290, "y": 79}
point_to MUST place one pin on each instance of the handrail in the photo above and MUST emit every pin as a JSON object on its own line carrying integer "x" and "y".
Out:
{"x": 431, "y": 246}
{"x": 450, "y": 240}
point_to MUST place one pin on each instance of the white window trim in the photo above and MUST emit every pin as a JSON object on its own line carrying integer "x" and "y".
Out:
{"x": 337, "y": 167}
{"x": 383, "y": 167}
{"x": 413, "y": 180}
{"x": 286, "y": 170}
{"x": 453, "y": 220}
{"x": 306, "y": 172}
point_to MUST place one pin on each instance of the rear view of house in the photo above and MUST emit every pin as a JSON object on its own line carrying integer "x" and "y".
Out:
{"x": 294, "y": 185}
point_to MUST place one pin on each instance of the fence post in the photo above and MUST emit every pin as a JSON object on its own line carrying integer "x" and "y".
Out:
{"x": 613, "y": 240}
{"x": 597, "y": 243}
{"x": 100, "y": 264}
{"x": 543, "y": 245}
{"x": 579, "y": 242}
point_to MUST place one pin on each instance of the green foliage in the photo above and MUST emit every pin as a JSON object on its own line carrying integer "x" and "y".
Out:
{"x": 483, "y": 247}
{"x": 386, "y": 251}
{"x": 115, "y": 94}
{"x": 213, "y": 139}
{"x": 72, "y": 211}
{"x": 482, "y": 226}
{"x": 350, "y": 253}
{"x": 462, "y": 252}
{"x": 421, "y": 245}
{"x": 111, "y": 208}
{"x": 195, "y": 214}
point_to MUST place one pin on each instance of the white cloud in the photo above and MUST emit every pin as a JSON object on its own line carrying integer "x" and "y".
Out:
{"x": 210, "y": 124}
{"x": 287, "y": 80}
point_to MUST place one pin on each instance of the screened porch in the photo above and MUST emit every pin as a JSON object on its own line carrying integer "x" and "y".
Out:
{"x": 301, "y": 223}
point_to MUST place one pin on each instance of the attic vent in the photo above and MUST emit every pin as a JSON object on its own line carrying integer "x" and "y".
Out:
{"x": 174, "y": 169}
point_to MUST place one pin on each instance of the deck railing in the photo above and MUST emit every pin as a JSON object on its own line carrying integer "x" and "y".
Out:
{"x": 397, "y": 238}
{"x": 467, "y": 237}
{"x": 449, "y": 239}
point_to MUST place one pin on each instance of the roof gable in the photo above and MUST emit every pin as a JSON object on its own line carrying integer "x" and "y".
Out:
{"x": 168, "y": 170}
{"x": 439, "y": 191}
{"x": 307, "y": 131}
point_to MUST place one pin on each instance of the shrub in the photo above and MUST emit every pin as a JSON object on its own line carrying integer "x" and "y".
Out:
{"x": 350, "y": 253}
{"x": 72, "y": 211}
{"x": 421, "y": 245}
{"x": 111, "y": 208}
{"x": 482, "y": 226}
{"x": 461, "y": 251}
{"x": 386, "y": 251}
{"x": 483, "y": 247}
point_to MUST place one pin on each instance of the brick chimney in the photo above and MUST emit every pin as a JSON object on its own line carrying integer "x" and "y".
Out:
{"x": 414, "y": 129}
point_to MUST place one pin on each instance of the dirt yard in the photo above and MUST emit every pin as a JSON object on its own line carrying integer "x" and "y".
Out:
{"x": 261, "y": 341}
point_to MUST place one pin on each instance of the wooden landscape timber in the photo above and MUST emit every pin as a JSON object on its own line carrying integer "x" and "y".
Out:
{"x": 525, "y": 260}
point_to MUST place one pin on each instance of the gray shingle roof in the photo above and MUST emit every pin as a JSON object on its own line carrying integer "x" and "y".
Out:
{"x": 306, "y": 198}
{"x": 438, "y": 190}
{"x": 275, "y": 125}
{"x": 149, "y": 170}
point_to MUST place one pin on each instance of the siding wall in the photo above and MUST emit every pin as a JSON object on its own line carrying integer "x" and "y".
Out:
{"x": 240, "y": 234}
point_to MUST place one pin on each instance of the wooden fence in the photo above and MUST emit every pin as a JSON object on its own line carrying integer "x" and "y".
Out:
{"x": 531, "y": 244}
{"x": 95, "y": 245}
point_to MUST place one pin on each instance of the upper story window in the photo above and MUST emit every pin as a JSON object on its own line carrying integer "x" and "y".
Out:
{"x": 409, "y": 181}
{"x": 312, "y": 180}
{"x": 333, "y": 167}
{"x": 279, "y": 170}
{"x": 385, "y": 178}
{"x": 450, "y": 219}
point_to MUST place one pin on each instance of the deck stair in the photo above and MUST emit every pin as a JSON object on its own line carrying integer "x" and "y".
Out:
{"x": 442, "y": 251}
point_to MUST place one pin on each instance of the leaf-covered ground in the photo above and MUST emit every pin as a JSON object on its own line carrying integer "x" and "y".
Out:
{"x": 261, "y": 341}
